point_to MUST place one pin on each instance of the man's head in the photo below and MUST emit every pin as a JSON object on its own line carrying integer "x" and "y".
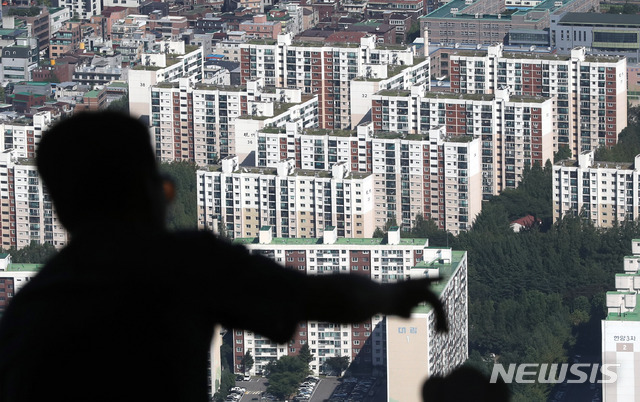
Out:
{"x": 100, "y": 166}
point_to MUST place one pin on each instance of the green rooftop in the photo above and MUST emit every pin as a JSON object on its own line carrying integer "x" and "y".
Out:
{"x": 633, "y": 315}
{"x": 24, "y": 267}
{"x": 446, "y": 271}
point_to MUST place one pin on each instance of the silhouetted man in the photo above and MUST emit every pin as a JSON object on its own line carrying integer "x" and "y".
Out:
{"x": 125, "y": 312}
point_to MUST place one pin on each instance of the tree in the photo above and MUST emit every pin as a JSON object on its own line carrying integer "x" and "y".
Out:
{"x": 34, "y": 253}
{"x": 336, "y": 364}
{"x": 247, "y": 362}
{"x": 227, "y": 381}
{"x": 305, "y": 354}
{"x": 119, "y": 105}
{"x": 564, "y": 152}
{"x": 183, "y": 212}
{"x": 378, "y": 233}
{"x": 285, "y": 375}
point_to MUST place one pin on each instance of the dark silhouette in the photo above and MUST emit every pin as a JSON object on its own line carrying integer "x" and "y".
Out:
{"x": 464, "y": 384}
{"x": 125, "y": 312}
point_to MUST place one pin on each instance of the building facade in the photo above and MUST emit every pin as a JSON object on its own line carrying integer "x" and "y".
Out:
{"x": 293, "y": 202}
{"x": 621, "y": 332}
{"x": 27, "y": 211}
{"x": 608, "y": 34}
{"x": 205, "y": 123}
{"x": 328, "y": 71}
{"x": 433, "y": 174}
{"x": 379, "y": 343}
{"x": 605, "y": 192}
{"x": 590, "y": 91}
{"x": 488, "y": 22}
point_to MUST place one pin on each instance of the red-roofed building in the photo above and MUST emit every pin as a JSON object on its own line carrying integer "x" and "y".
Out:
{"x": 526, "y": 222}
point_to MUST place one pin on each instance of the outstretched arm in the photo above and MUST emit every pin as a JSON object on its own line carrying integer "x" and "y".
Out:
{"x": 270, "y": 299}
{"x": 349, "y": 298}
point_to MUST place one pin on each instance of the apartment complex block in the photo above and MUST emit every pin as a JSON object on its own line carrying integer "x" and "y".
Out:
{"x": 590, "y": 91}
{"x": 204, "y": 123}
{"x": 329, "y": 70}
{"x": 432, "y": 174}
{"x": 293, "y": 202}
{"x": 621, "y": 332}
{"x": 380, "y": 342}
{"x": 516, "y": 131}
{"x": 605, "y": 192}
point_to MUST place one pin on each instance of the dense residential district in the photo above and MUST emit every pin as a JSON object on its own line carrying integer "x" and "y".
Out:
{"x": 495, "y": 144}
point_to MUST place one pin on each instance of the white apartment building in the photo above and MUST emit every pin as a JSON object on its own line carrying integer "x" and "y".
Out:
{"x": 169, "y": 62}
{"x": 122, "y": 3}
{"x": 408, "y": 351}
{"x": 605, "y": 192}
{"x": 329, "y": 71}
{"x": 206, "y": 123}
{"x": 23, "y": 135}
{"x": 26, "y": 209}
{"x": 433, "y": 174}
{"x": 12, "y": 278}
{"x": 621, "y": 333}
{"x": 516, "y": 131}
{"x": 590, "y": 91}
{"x": 57, "y": 18}
{"x": 295, "y": 203}
{"x": 82, "y": 9}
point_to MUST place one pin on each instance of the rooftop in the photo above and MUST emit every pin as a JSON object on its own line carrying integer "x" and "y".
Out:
{"x": 598, "y": 19}
{"x": 446, "y": 271}
{"x": 633, "y": 315}
{"x": 24, "y": 267}
{"x": 374, "y": 241}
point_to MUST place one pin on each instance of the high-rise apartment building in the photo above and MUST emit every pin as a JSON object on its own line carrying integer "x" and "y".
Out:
{"x": 590, "y": 91}
{"x": 167, "y": 62}
{"x": 204, "y": 123}
{"x": 82, "y": 9}
{"x": 294, "y": 202}
{"x": 605, "y": 192}
{"x": 431, "y": 174}
{"x": 328, "y": 71}
{"x": 621, "y": 333}
{"x": 408, "y": 351}
{"x": 26, "y": 209}
{"x": 516, "y": 131}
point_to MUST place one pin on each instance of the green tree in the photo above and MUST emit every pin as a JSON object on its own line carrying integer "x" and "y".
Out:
{"x": 285, "y": 375}
{"x": 34, "y": 253}
{"x": 336, "y": 364}
{"x": 247, "y": 362}
{"x": 414, "y": 32}
{"x": 183, "y": 212}
{"x": 378, "y": 233}
{"x": 227, "y": 381}
{"x": 564, "y": 152}
{"x": 120, "y": 105}
{"x": 305, "y": 354}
